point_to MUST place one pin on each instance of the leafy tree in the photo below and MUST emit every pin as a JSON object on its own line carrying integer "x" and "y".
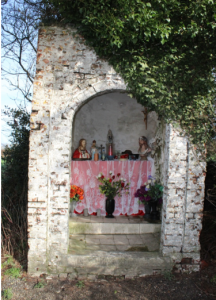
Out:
{"x": 164, "y": 50}
{"x": 15, "y": 183}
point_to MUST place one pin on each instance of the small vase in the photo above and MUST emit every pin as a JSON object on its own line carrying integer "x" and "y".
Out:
{"x": 72, "y": 207}
{"x": 110, "y": 207}
{"x": 85, "y": 212}
{"x": 147, "y": 215}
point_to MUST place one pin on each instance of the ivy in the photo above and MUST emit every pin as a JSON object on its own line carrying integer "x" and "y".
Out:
{"x": 164, "y": 50}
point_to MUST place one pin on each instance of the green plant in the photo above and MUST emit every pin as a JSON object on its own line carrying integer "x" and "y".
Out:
{"x": 40, "y": 284}
{"x": 164, "y": 50}
{"x": 168, "y": 275}
{"x": 13, "y": 272}
{"x": 213, "y": 279}
{"x": 7, "y": 294}
{"x": 80, "y": 284}
{"x": 111, "y": 188}
{"x": 8, "y": 262}
{"x": 15, "y": 185}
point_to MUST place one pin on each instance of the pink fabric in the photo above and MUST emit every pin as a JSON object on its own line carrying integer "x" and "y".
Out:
{"x": 83, "y": 174}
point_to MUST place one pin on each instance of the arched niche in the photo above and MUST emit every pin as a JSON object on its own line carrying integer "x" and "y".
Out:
{"x": 115, "y": 111}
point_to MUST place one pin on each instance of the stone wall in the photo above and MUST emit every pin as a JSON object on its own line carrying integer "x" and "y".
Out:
{"x": 183, "y": 201}
{"x": 68, "y": 74}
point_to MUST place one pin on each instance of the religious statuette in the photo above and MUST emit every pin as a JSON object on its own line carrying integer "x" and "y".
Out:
{"x": 81, "y": 151}
{"x": 144, "y": 149}
{"x": 110, "y": 143}
{"x": 100, "y": 149}
{"x": 93, "y": 149}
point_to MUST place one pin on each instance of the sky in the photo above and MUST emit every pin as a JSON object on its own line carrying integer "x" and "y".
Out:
{"x": 7, "y": 99}
{"x": 16, "y": 13}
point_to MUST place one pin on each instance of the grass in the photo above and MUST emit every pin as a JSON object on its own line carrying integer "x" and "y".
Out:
{"x": 8, "y": 262}
{"x": 80, "y": 284}
{"x": 213, "y": 279}
{"x": 168, "y": 275}
{"x": 13, "y": 272}
{"x": 40, "y": 284}
{"x": 7, "y": 294}
{"x": 11, "y": 269}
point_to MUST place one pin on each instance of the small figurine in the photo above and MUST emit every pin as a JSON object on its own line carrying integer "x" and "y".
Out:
{"x": 101, "y": 149}
{"x": 81, "y": 151}
{"x": 144, "y": 149}
{"x": 110, "y": 137}
{"x": 93, "y": 149}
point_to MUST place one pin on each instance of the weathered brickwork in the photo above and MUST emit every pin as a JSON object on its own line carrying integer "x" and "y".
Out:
{"x": 68, "y": 74}
{"x": 183, "y": 202}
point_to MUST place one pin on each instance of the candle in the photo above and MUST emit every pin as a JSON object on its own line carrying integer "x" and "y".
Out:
{"x": 110, "y": 150}
{"x": 96, "y": 157}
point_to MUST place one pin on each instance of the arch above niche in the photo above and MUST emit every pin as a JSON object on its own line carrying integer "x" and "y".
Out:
{"x": 115, "y": 111}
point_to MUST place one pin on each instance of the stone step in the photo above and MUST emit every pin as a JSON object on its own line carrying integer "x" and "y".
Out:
{"x": 119, "y": 225}
{"x": 128, "y": 264}
{"x": 83, "y": 244}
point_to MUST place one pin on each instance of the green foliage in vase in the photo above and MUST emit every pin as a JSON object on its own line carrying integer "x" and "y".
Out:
{"x": 151, "y": 191}
{"x": 164, "y": 50}
{"x": 111, "y": 187}
{"x": 155, "y": 191}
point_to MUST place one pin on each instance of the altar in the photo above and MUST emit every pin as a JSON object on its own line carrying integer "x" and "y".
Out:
{"x": 83, "y": 174}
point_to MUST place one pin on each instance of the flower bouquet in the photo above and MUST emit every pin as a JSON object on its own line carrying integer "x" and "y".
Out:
{"x": 111, "y": 187}
{"x": 150, "y": 194}
{"x": 76, "y": 195}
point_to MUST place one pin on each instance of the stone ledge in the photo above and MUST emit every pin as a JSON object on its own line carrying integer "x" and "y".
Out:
{"x": 113, "y": 263}
{"x": 112, "y": 228}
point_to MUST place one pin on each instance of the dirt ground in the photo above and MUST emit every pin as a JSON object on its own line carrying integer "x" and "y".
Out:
{"x": 195, "y": 286}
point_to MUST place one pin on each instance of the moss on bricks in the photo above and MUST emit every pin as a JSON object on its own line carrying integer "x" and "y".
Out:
{"x": 78, "y": 228}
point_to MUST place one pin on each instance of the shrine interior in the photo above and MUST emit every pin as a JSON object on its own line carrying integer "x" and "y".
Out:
{"x": 88, "y": 228}
{"x": 115, "y": 111}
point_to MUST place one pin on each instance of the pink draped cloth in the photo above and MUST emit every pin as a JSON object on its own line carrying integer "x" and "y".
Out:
{"x": 83, "y": 174}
